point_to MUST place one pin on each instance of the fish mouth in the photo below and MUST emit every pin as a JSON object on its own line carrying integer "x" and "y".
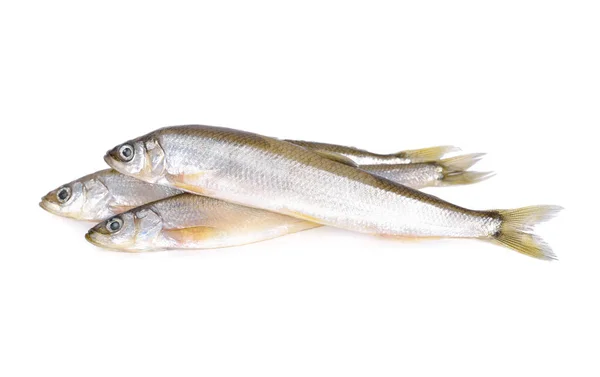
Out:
{"x": 114, "y": 163}
{"x": 57, "y": 210}
{"x": 89, "y": 236}
{"x": 50, "y": 207}
{"x": 108, "y": 159}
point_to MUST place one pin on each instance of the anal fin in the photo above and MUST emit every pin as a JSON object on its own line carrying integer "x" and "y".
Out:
{"x": 189, "y": 182}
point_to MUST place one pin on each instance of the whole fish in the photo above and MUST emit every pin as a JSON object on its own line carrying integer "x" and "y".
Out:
{"x": 267, "y": 173}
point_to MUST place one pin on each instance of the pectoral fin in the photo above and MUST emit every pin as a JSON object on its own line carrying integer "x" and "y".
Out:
{"x": 190, "y": 182}
{"x": 186, "y": 235}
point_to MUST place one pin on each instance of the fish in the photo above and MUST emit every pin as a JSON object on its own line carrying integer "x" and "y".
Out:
{"x": 271, "y": 174}
{"x": 106, "y": 193}
{"x": 188, "y": 221}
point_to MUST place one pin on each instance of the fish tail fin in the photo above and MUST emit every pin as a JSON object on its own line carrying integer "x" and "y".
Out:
{"x": 453, "y": 170}
{"x": 462, "y": 162}
{"x": 516, "y": 230}
{"x": 427, "y": 154}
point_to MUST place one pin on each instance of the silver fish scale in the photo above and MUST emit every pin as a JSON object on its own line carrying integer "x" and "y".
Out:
{"x": 272, "y": 174}
{"x": 415, "y": 175}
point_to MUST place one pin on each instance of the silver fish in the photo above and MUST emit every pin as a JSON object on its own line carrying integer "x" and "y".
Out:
{"x": 271, "y": 174}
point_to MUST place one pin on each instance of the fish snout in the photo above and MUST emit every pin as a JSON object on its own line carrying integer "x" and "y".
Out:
{"x": 110, "y": 157}
{"x": 48, "y": 203}
{"x": 95, "y": 238}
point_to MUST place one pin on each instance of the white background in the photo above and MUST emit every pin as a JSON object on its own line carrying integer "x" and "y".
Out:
{"x": 517, "y": 79}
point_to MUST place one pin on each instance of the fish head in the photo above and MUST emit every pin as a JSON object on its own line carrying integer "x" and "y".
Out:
{"x": 83, "y": 199}
{"x": 135, "y": 230}
{"x": 67, "y": 200}
{"x": 142, "y": 158}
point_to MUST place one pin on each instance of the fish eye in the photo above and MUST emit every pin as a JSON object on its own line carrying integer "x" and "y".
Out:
{"x": 126, "y": 152}
{"x": 63, "y": 194}
{"x": 114, "y": 225}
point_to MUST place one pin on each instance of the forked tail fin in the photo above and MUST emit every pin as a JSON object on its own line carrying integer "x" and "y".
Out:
{"x": 427, "y": 154}
{"x": 516, "y": 230}
{"x": 454, "y": 170}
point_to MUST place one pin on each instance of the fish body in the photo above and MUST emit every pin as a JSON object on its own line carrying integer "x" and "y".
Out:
{"x": 188, "y": 221}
